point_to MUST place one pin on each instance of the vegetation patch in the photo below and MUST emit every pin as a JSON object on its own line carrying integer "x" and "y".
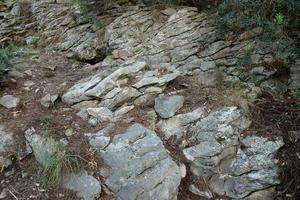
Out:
{"x": 6, "y": 54}
{"x": 58, "y": 165}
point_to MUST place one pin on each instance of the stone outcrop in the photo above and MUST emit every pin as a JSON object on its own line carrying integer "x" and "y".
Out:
{"x": 232, "y": 165}
{"x": 136, "y": 52}
{"x": 7, "y": 145}
{"x": 139, "y": 165}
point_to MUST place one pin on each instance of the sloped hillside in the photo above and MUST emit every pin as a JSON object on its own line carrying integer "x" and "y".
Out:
{"x": 143, "y": 101}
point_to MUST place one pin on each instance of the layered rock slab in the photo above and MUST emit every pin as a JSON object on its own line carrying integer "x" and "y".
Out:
{"x": 232, "y": 165}
{"x": 140, "y": 167}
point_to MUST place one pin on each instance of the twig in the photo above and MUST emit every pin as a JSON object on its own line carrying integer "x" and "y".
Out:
{"x": 12, "y": 194}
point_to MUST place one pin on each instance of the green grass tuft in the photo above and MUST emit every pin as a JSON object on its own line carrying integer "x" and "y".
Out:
{"x": 59, "y": 165}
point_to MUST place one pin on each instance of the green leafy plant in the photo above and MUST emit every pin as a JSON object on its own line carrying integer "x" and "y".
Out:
{"x": 279, "y": 18}
{"x": 221, "y": 140}
{"x": 6, "y": 54}
{"x": 295, "y": 93}
{"x": 58, "y": 165}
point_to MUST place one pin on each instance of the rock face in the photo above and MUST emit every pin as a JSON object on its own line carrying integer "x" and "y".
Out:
{"x": 230, "y": 167}
{"x": 98, "y": 86}
{"x": 141, "y": 52}
{"x": 216, "y": 137}
{"x": 9, "y": 101}
{"x": 254, "y": 167}
{"x": 178, "y": 124}
{"x": 6, "y": 144}
{"x": 140, "y": 167}
{"x": 86, "y": 186}
{"x": 166, "y": 106}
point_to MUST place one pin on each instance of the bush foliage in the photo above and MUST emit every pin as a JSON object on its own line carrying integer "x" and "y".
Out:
{"x": 6, "y": 54}
{"x": 240, "y": 15}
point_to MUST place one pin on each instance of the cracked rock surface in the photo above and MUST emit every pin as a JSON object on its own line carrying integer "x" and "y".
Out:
{"x": 140, "y": 167}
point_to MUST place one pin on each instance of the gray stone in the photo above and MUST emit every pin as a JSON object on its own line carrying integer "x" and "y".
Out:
{"x": 85, "y": 186}
{"x": 77, "y": 93}
{"x": 159, "y": 81}
{"x": 240, "y": 187}
{"x": 273, "y": 86}
{"x": 166, "y": 106}
{"x": 127, "y": 94}
{"x": 98, "y": 85}
{"x": 178, "y": 124}
{"x": 140, "y": 166}
{"x": 233, "y": 167}
{"x": 145, "y": 100}
{"x": 9, "y": 101}
{"x": 295, "y": 134}
{"x": 16, "y": 74}
{"x": 196, "y": 191}
{"x": 294, "y": 82}
{"x": 268, "y": 194}
{"x": 4, "y": 194}
{"x": 123, "y": 110}
{"x": 43, "y": 148}
{"x": 109, "y": 82}
{"x": 99, "y": 140}
{"x": 257, "y": 153}
{"x": 85, "y": 105}
{"x": 28, "y": 83}
{"x": 6, "y": 139}
{"x": 69, "y": 132}
{"x": 101, "y": 113}
{"x": 6, "y": 145}
{"x": 48, "y": 100}
{"x": 216, "y": 137}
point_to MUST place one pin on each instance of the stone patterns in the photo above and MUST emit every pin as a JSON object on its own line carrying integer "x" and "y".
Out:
{"x": 166, "y": 106}
{"x": 98, "y": 86}
{"x": 232, "y": 166}
{"x": 140, "y": 167}
{"x": 86, "y": 186}
{"x": 178, "y": 124}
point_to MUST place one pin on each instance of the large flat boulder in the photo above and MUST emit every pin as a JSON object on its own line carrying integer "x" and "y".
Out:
{"x": 140, "y": 167}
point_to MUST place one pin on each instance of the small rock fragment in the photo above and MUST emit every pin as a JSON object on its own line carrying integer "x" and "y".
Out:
{"x": 9, "y": 101}
{"x": 69, "y": 132}
{"x": 196, "y": 191}
{"x": 101, "y": 113}
{"x": 49, "y": 99}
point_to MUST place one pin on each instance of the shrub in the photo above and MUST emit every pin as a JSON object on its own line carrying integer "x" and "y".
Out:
{"x": 240, "y": 15}
{"x": 277, "y": 18}
{"x": 6, "y": 54}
